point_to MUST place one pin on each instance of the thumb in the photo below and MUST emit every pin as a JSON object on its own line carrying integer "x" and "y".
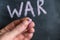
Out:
{"x": 20, "y": 28}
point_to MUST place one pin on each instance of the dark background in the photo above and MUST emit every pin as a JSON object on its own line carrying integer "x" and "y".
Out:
{"x": 47, "y": 26}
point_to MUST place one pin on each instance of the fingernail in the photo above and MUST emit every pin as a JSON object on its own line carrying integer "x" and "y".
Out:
{"x": 29, "y": 20}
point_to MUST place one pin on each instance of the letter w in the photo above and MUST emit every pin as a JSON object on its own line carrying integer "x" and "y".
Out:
{"x": 15, "y": 11}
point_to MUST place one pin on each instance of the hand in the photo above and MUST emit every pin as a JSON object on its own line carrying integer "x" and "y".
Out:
{"x": 22, "y": 29}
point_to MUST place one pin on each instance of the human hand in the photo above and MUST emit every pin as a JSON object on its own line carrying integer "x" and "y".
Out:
{"x": 22, "y": 29}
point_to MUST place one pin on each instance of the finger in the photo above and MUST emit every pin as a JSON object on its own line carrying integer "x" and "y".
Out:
{"x": 20, "y": 28}
{"x": 26, "y": 39}
{"x": 31, "y": 30}
{"x": 19, "y": 37}
{"x": 25, "y": 35}
{"x": 28, "y": 35}
{"x": 12, "y": 25}
{"x": 32, "y": 24}
{"x": 9, "y": 26}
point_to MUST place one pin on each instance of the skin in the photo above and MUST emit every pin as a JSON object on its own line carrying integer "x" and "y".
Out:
{"x": 21, "y": 29}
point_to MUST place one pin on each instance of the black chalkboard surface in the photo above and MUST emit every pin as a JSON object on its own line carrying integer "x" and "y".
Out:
{"x": 45, "y": 14}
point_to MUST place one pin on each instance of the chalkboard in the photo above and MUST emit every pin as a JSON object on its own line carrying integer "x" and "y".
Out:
{"x": 45, "y": 14}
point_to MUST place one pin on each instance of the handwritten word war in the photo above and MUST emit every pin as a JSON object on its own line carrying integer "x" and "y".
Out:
{"x": 28, "y": 8}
